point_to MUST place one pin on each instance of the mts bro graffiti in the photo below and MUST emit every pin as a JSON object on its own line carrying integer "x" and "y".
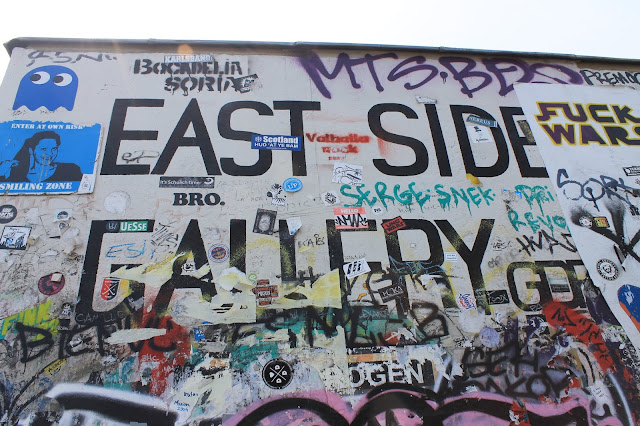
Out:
{"x": 614, "y": 124}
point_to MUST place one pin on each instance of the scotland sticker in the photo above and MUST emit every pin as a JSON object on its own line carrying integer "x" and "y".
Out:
{"x": 276, "y": 142}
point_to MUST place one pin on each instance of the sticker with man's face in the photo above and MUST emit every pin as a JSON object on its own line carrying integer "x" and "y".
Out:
{"x": 265, "y": 221}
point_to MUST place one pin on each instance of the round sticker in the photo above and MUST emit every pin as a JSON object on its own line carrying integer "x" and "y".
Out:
{"x": 277, "y": 373}
{"x": 607, "y": 269}
{"x": 219, "y": 253}
{"x": 51, "y": 284}
{"x": 252, "y": 277}
{"x": 7, "y": 213}
{"x": 489, "y": 337}
{"x": 377, "y": 210}
{"x": 292, "y": 184}
{"x": 117, "y": 202}
{"x": 586, "y": 221}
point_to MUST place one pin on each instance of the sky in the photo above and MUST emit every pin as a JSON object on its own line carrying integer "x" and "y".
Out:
{"x": 585, "y": 27}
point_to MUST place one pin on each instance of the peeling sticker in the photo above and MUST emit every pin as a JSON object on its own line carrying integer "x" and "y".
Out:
{"x": 51, "y": 284}
{"x": 117, "y": 202}
{"x": 62, "y": 215}
{"x": 425, "y": 100}
{"x": 482, "y": 121}
{"x": 294, "y": 224}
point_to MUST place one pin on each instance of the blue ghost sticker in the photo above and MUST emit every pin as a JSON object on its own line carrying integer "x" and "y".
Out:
{"x": 52, "y": 87}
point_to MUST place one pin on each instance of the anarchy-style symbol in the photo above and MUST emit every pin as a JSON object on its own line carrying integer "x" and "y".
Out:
{"x": 277, "y": 373}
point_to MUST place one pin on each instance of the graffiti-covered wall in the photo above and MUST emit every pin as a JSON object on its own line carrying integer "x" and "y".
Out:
{"x": 228, "y": 234}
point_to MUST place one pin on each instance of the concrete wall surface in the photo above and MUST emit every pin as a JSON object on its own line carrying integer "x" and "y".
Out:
{"x": 211, "y": 234}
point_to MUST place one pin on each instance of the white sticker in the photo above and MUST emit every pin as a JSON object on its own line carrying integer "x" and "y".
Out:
{"x": 347, "y": 174}
{"x": 479, "y": 134}
{"x": 451, "y": 256}
{"x": 425, "y": 100}
{"x": 294, "y": 223}
{"x": 377, "y": 210}
{"x": 86, "y": 184}
{"x": 62, "y": 215}
{"x": 330, "y": 198}
{"x": 356, "y": 268}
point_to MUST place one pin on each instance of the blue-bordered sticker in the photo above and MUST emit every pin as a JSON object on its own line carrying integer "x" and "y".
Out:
{"x": 276, "y": 142}
{"x": 218, "y": 253}
{"x": 292, "y": 184}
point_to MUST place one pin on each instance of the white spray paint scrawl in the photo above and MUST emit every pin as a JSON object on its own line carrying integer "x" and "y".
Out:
{"x": 347, "y": 174}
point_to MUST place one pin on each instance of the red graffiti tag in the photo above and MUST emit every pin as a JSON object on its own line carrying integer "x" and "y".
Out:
{"x": 580, "y": 327}
{"x": 161, "y": 354}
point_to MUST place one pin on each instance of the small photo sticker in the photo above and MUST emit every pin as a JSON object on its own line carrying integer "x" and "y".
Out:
{"x": 265, "y": 221}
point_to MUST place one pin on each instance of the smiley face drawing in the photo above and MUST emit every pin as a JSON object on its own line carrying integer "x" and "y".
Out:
{"x": 51, "y": 86}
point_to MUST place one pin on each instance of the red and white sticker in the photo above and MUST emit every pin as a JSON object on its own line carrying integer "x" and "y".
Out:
{"x": 350, "y": 218}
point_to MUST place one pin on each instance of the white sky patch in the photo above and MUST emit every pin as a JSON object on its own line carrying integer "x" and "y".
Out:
{"x": 489, "y": 27}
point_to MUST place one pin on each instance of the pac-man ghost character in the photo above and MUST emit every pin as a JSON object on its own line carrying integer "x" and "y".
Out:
{"x": 51, "y": 86}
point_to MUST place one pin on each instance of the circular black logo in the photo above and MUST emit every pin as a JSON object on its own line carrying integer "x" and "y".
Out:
{"x": 607, "y": 269}
{"x": 7, "y": 213}
{"x": 277, "y": 373}
{"x": 112, "y": 226}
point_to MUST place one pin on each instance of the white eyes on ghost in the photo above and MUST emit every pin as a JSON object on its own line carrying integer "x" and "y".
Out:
{"x": 41, "y": 77}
